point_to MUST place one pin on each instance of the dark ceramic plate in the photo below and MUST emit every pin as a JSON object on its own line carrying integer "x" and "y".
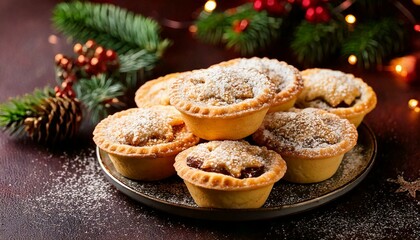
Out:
{"x": 171, "y": 195}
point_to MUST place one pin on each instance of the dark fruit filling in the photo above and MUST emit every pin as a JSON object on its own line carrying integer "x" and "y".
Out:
{"x": 249, "y": 172}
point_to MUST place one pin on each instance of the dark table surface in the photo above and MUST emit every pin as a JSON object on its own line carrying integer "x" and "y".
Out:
{"x": 47, "y": 193}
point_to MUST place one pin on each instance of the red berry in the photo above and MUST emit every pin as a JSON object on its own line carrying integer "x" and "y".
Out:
{"x": 322, "y": 15}
{"x": 309, "y": 3}
{"x": 94, "y": 61}
{"x": 274, "y": 6}
{"x": 81, "y": 60}
{"x": 258, "y": 5}
{"x": 99, "y": 52}
{"x": 310, "y": 14}
{"x": 64, "y": 63}
{"x": 58, "y": 58}
{"x": 90, "y": 44}
{"x": 240, "y": 26}
{"x": 78, "y": 48}
{"x": 57, "y": 89}
{"x": 111, "y": 55}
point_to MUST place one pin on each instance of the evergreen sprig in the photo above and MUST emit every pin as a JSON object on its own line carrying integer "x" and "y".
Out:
{"x": 377, "y": 35}
{"x": 218, "y": 28}
{"x": 261, "y": 31}
{"x": 375, "y": 41}
{"x": 132, "y": 36}
{"x": 97, "y": 95}
{"x": 17, "y": 109}
{"x": 211, "y": 27}
{"x": 314, "y": 43}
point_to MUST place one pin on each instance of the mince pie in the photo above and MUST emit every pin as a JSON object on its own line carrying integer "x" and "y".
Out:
{"x": 229, "y": 174}
{"x": 337, "y": 92}
{"x": 155, "y": 92}
{"x": 311, "y": 141}
{"x": 286, "y": 79}
{"x": 222, "y": 103}
{"x": 142, "y": 142}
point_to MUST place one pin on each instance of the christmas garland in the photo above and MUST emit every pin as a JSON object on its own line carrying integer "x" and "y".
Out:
{"x": 114, "y": 49}
{"x": 316, "y": 30}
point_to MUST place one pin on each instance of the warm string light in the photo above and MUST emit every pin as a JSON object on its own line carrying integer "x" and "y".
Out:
{"x": 210, "y": 6}
{"x": 405, "y": 68}
{"x": 414, "y": 105}
{"x": 352, "y": 59}
{"x": 350, "y": 19}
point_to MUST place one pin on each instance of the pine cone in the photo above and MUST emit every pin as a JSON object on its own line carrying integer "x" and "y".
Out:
{"x": 58, "y": 119}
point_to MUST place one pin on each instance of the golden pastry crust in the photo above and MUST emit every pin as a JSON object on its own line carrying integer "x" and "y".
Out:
{"x": 309, "y": 133}
{"x": 144, "y": 132}
{"x": 229, "y": 157}
{"x": 311, "y": 141}
{"x": 156, "y": 91}
{"x": 337, "y": 92}
{"x": 221, "y": 92}
{"x": 286, "y": 78}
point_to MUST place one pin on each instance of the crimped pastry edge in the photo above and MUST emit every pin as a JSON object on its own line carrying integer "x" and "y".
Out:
{"x": 229, "y": 111}
{"x": 292, "y": 90}
{"x": 159, "y": 150}
{"x": 218, "y": 181}
{"x": 349, "y": 140}
{"x": 142, "y": 96}
{"x": 365, "y": 105}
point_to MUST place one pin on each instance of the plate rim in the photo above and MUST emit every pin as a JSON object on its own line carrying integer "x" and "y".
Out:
{"x": 243, "y": 214}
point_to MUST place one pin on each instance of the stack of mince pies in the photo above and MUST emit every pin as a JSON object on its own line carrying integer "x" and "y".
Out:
{"x": 233, "y": 130}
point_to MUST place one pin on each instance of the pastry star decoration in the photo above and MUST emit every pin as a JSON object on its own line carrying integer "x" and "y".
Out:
{"x": 405, "y": 186}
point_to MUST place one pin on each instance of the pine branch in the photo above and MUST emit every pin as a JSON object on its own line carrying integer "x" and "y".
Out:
{"x": 373, "y": 42}
{"x": 218, "y": 28}
{"x": 211, "y": 27}
{"x": 132, "y": 36}
{"x": 314, "y": 43}
{"x": 261, "y": 31}
{"x": 97, "y": 93}
{"x": 132, "y": 61}
{"x": 16, "y": 110}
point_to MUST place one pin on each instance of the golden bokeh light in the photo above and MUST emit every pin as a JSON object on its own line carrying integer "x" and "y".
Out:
{"x": 352, "y": 59}
{"x": 350, "y": 19}
{"x": 398, "y": 68}
{"x": 210, "y": 6}
{"x": 413, "y": 103}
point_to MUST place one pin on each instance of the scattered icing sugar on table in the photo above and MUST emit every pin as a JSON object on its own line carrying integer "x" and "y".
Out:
{"x": 78, "y": 194}
{"x": 76, "y": 200}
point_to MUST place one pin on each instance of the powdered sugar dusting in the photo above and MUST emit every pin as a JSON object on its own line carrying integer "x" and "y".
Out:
{"x": 233, "y": 156}
{"x": 334, "y": 87}
{"x": 223, "y": 86}
{"x": 174, "y": 191}
{"x": 281, "y": 74}
{"x": 80, "y": 194}
{"x": 304, "y": 132}
{"x": 141, "y": 128}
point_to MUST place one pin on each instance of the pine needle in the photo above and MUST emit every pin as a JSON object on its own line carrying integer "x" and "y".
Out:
{"x": 375, "y": 41}
{"x": 314, "y": 43}
{"x": 218, "y": 28}
{"x": 96, "y": 92}
{"x": 134, "y": 37}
